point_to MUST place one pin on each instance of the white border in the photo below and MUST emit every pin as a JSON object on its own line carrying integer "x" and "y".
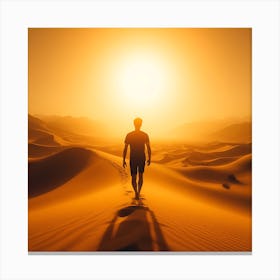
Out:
{"x": 262, "y": 16}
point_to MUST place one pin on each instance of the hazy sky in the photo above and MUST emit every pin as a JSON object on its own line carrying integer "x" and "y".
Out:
{"x": 166, "y": 76}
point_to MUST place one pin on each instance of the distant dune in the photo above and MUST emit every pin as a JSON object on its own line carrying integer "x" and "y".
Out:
{"x": 220, "y": 156}
{"x": 40, "y": 133}
{"x": 209, "y": 155}
{"x": 37, "y": 124}
{"x": 42, "y": 137}
{"x": 196, "y": 131}
{"x": 222, "y": 131}
{"x": 78, "y": 126}
{"x": 239, "y": 132}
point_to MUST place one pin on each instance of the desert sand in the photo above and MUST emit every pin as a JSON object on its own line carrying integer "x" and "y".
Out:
{"x": 195, "y": 198}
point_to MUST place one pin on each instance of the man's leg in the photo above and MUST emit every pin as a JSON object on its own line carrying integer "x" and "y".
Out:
{"x": 134, "y": 184}
{"x": 133, "y": 173}
{"x": 140, "y": 182}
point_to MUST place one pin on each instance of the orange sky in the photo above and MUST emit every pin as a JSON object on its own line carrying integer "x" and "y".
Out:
{"x": 166, "y": 76}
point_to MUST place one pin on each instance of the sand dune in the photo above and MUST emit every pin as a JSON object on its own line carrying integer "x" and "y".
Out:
{"x": 231, "y": 131}
{"x": 215, "y": 147}
{"x": 212, "y": 155}
{"x": 210, "y": 162}
{"x": 36, "y": 123}
{"x": 53, "y": 171}
{"x": 221, "y": 173}
{"x": 179, "y": 211}
{"x": 237, "y": 132}
{"x": 237, "y": 150}
{"x": 40, "y": 133}
{"x": 42, "y": 137}
{"x": 74, "y": 125}
{"x": 86, "y": 172}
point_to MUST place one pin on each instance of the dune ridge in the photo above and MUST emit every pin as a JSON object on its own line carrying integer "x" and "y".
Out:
{"x": 38, "y": 150}
{"x": 219, "y": 173}
{"x": 42, "y": 137}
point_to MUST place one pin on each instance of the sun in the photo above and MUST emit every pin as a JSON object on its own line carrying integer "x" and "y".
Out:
{"x": 142, "y": 80}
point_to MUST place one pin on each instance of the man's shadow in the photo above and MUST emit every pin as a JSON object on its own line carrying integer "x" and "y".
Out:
{"x": 133, "y": 228}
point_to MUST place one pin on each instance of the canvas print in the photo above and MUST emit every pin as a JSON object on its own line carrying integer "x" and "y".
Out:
{"x": 139, "y": 139}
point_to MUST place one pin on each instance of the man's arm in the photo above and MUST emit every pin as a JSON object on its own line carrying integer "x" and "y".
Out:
{"x": 124, "y": 154}
{"x": 149, "y": 153}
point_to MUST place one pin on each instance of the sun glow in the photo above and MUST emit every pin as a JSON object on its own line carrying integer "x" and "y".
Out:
{"x": 142, "y": 80}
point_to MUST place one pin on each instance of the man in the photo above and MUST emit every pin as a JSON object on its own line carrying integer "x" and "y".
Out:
{"x": 137, "y": 140}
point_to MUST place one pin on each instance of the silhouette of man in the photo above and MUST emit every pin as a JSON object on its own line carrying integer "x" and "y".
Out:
{"x": 137, "y": 140}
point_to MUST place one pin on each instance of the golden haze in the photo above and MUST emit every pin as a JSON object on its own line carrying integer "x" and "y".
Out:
{"x": 167, "y": 76}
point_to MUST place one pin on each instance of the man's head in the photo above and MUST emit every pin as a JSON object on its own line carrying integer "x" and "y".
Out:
{"x": 137, "y": 123}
